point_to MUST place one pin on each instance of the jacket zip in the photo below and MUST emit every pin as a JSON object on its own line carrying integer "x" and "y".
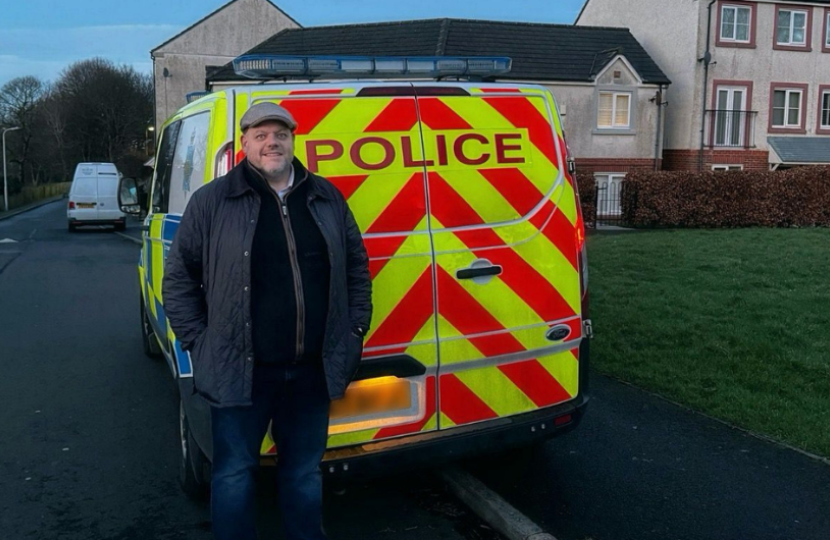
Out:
{"x": 298, "y": 280}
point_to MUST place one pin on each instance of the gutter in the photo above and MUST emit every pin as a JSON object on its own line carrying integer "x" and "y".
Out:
{"x": 707, "y": 59}
{"x": 657, "y": 154}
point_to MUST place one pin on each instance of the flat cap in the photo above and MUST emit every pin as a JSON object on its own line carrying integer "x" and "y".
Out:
{"x": 265, "y": 111}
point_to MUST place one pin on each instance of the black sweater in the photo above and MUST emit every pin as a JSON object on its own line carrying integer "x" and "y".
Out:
{"x": 289, "y": 254}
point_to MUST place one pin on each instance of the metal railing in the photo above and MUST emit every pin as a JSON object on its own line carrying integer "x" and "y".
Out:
{"x": 608, "y": 201}
{"x": 730, "y": 129}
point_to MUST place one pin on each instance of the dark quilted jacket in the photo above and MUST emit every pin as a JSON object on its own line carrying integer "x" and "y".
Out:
{"x": 207, "y": 283}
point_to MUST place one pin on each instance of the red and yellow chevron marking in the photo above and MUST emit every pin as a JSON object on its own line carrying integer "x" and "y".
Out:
{"x": 492, "y": 167}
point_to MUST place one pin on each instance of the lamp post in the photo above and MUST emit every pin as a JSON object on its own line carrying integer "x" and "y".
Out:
{"x": 5, "y": 178}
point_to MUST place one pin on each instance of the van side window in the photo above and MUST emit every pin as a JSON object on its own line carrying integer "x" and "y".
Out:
{"x": 164, "y": 160}
{"x": 187, "y": 173}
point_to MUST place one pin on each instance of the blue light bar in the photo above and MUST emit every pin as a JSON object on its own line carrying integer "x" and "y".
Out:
{"x": 193, "y": 96}
{"x": 265, "y": 66}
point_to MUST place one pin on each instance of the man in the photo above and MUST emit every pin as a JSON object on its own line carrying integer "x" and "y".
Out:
{"x": 267, "y": 285}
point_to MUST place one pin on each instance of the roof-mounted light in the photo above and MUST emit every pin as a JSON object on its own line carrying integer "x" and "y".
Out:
{"x": 193, "y": 96}
{"x": 263, "y": 66}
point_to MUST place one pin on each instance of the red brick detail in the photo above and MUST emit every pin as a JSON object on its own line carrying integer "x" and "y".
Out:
{"x": 688, "y": 160}
{"x": 616, "y": 165}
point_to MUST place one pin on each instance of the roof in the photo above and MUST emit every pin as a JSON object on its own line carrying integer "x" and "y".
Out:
{"x": 211, "y": 14}
{"x": 585, "y": 5}
{"x": 540, "y": 52}
{"x": 801, "y": 150}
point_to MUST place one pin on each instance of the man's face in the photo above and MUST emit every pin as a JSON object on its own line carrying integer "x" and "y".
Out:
{"x": 269, "y": 147}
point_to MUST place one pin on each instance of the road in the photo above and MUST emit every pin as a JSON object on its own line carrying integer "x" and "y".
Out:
{"x": 89, "y": 436}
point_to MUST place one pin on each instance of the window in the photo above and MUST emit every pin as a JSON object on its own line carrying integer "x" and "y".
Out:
{"x": 826, "y": 30}
{"x": 721, "y": 168}
{"x": 614, "y": 110}
{"x": 791, "y": 28}
{"x": 187, "y": 172}
{"x": 164, "y": 162}
{"x": 730, "y": 116}
{"x": 824, "y": 110}
{"x": 735, "y": 23}
{"x": 786, "y": 108}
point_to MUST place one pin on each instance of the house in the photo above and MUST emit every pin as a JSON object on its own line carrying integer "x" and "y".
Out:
{"x": 608, "y": 88}
{"x": 750, "y": 79}
{"x": 179, "y": 63}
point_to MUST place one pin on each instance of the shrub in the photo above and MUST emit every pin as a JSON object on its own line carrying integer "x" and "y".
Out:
{"x": 587, "y": 188}
{"x": 794, "y": 198}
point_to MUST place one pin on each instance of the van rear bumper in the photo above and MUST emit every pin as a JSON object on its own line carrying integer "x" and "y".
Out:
{"x": 116, "y": 221}
{"x": 441, "y": 447}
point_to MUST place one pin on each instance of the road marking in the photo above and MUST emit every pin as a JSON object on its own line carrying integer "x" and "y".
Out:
{"x": 8, "y": 241}
{"x": 491, "y": 508}
{"x": 32, "y": 234}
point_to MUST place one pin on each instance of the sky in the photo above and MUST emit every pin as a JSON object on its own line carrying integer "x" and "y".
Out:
{"x": 43, "y": 37}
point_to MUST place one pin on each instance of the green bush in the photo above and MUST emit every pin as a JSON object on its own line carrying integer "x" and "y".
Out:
{"x": 587, "y": 188}
{"x": 793, "y": 198}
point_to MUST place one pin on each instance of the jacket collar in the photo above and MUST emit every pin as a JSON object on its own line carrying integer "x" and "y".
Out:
{"x": 238, "y": 185}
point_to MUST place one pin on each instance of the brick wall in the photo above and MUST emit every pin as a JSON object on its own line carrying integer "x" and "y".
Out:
{"x": 621, "y": 165}
{"x": 687, "y": 160}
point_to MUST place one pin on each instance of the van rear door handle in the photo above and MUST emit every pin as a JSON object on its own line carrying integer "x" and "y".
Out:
{"x": 480, "y": 271}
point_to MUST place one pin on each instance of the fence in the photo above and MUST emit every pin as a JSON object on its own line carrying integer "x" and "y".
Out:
{"x": 30, "y": 194}
{"x": 608, "y": 200}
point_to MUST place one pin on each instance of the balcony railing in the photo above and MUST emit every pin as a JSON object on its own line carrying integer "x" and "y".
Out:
{"x": 730, "y": 129}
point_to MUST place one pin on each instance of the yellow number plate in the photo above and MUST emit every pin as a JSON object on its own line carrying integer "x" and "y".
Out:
{"x": 372, "y": 396}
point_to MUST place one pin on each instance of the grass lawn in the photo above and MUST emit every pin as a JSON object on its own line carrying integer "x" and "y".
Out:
{"x": 733, "y": 323}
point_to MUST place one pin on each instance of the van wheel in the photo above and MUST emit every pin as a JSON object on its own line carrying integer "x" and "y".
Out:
{"x": 194, "y": 467}
{"x": 148, "y": 338}
{"x": 121, "y": 227}
{"x": 71, "y": 227}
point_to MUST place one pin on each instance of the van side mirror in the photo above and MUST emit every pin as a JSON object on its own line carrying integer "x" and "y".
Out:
{"x": 128, "y": 196}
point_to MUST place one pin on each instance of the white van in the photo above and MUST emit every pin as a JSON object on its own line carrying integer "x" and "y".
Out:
{"x": 93, "y": 197}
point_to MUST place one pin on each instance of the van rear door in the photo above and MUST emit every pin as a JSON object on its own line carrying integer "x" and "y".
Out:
{"x": 503, "y": 218}
{"x": 85, "y": 193}
{"x": 107, "y": 184}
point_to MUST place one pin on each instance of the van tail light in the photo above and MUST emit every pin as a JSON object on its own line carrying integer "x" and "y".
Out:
{"x": 71, "y": 205}
{"x": 224, "y": 161}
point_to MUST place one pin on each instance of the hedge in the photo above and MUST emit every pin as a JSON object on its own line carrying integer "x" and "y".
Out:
{"x": 587, "y": 187}
{"x": 793, "y": 198}
{"x": 31, "y": 194}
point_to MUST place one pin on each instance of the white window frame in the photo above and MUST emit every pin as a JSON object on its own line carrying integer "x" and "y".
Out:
{"x": 721, "y": 168}
{"x": 790, "y": 41}
{"x": 614, "y": 95}
{"x": 787, "y": 109}
{"x": 827, "y": 30}
{"x": 734, "y": 38}
{"x": 822, "y": 110}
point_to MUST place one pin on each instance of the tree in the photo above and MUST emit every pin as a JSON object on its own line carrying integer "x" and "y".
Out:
{"x": 107, "y": 108}
{"x": 18, "y": 104}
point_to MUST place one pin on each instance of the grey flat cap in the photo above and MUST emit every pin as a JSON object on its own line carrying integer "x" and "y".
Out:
{"x": 265, "y": 111}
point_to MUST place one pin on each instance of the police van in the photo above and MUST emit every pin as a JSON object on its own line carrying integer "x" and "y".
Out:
{"x": 465, "y": 195}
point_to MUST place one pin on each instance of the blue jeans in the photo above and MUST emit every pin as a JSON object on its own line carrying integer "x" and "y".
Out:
{"x": 295, "y": 400}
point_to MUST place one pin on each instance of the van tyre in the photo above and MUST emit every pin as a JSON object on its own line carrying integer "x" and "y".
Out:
{"x": 148, "y": 338}
{"x": 71, "y": 227}
{"x": 121, "y": 227}
{"x": 194, "y": 467}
